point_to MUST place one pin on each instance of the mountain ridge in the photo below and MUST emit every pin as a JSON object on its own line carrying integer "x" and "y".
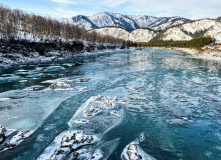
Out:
{"x": 128, "y": 22}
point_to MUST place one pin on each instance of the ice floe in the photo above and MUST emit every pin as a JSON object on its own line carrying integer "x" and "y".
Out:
{"x": 101, "y": 111}
{"x": 133, "y": 151}
{"x": 65, "y": 143}
{"x": 102, "y": 150}
{"x": 60, "y": 86}
{"x": 87, "y": 127}
{"x": 81, "y": 121}
{"x": 35, "y": 88}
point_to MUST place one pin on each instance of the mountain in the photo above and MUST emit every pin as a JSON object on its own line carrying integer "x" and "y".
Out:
{"x": 167, "y": 22}
{"x": 194, "y": 29}
{"x": 107, "y": 19}
{"x": 138, "y": 35}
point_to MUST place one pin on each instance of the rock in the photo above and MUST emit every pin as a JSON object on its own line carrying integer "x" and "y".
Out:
{"x": 18, "y": 138}
{"x": 2, "y": 130}
{"x": 60, "y": 86}
{"x": 15, "y": 140}
{"x": 84, "y": 79}
{"x": 2, "y": 134}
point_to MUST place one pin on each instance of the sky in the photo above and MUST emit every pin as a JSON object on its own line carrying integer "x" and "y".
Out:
{"x": 193, "y": 9}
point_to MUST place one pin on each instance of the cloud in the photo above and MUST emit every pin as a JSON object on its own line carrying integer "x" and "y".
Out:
{"x": 67, "y": 13}
{"x": 114, "y": 3}
{"x": 65, "y": 1}
{"x": 193, "y": 9}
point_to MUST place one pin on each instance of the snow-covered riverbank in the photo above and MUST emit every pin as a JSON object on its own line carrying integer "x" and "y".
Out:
{"x": 207, "y": 53}
{"x": 29, "y": 52}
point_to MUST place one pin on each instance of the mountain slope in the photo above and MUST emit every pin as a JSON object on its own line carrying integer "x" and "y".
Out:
{"x": 138, "y": 35}
{"x": 167, "y": 22}
{"x": 130, "y": 23}
{"x": 195, "y": 29}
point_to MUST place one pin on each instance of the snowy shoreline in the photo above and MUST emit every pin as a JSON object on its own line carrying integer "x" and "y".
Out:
{"x": 206, "y": 53}
{"x": 9, "y": 60}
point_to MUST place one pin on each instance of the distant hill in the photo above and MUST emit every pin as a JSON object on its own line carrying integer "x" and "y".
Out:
{"x": 192, "y": 30}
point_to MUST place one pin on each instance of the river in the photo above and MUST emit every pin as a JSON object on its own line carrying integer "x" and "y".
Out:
{"x": 171, "y": 97}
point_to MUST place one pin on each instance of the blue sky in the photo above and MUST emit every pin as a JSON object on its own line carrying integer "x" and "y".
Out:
{"x": 193, "y": 9}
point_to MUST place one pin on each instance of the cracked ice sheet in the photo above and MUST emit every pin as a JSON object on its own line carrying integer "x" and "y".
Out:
{"x": 60, "y": 143}
{"x": 23, "y": 110}
{"x": 99, "y": 123}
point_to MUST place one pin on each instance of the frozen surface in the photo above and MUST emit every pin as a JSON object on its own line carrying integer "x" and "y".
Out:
{"x": 101, "y": 114}
{"x": 69, "y": 141}
{"x": 63, "y": 143}
{"x": 176, "y": 104}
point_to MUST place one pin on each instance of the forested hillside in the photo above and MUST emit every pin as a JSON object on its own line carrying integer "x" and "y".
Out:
{"x": 193, "y": 43}
{"x": 16, "y": 24}
{"x": 30, "y": 38}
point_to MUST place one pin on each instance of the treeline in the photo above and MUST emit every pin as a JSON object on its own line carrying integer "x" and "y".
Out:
{"x": 16, "y": 24}
{"x": 194, "y": 43}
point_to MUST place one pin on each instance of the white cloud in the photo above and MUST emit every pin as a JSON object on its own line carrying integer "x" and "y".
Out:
{"x": 67, "y": 13}
{"x": 65, "y": 1}
{"x": 193, "y": 9}
{"x": 114, "y": 3}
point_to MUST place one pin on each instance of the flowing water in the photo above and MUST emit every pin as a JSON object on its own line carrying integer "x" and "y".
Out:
{"x": 173, "y": 98}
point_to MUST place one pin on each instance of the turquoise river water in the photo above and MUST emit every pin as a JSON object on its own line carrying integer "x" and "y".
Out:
{"x": 160, "y": 88}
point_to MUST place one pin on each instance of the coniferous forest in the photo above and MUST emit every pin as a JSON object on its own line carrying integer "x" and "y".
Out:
{"x": 193, "y": 43}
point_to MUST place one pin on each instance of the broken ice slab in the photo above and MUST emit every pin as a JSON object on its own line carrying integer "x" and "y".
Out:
{"x": 60, "y": 86}
{"x": 114, "y": 112}
{"x": 133, "y": 151}
{"x": 35, "y": 88}
{"x": 100, "y": 151}
{"x": 84, "y": 154}
{"x": 65, "y": 143}
{"x": 81, "y": 121}
{"x": 101, "y": 113}
{"x": 10, "y": 138}
{"x": 90, "y": 130}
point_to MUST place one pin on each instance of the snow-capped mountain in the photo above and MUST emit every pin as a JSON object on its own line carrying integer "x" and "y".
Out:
{"x": 167, "y": 22}
{"x": 130, "y": 23}
{"x": 138, "y": 35}
{"x": 195, "y": 29}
